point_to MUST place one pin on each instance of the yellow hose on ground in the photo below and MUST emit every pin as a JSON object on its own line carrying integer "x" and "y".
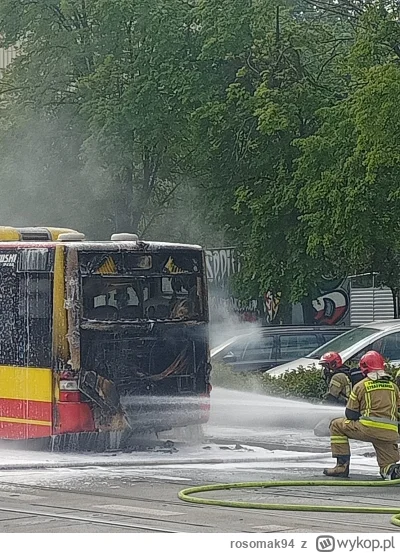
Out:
{"x": 187, "y": 495}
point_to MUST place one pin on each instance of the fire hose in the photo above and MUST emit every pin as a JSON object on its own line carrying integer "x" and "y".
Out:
{"x": 188, "y": 495}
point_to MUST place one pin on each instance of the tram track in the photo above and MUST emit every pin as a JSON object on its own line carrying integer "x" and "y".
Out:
{"x": 303, "y": 494}
{"x": 110, "y": 513}
{"x": 88, "y": 520}
{"x": 170, "y": 502}
{"x": 90, "y": 515}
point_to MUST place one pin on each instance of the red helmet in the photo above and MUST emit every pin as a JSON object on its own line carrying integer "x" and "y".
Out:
{"x": 372, "y": 361}
{"x": 332, "y": 360}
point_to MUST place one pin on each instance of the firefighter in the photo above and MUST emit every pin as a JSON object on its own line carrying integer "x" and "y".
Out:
{"x": 339, "y": 378}
{"x": 371, "y": 416}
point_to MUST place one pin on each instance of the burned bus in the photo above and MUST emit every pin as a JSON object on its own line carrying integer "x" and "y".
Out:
{"x": 100, "y": 336}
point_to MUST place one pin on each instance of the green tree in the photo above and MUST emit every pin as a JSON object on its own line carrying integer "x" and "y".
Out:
{"x": 282, "y": 68}
{"x": 348, "y": 173}
{"x": 125, "y": 70}
{"x": 272, "y": 123}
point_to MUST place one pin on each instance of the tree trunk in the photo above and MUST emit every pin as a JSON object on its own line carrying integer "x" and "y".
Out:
{"x": 308, "y": 311}
{"x": 396, "y": 302}
{"x": 285, "y": 313}
{"x": 123, "y": 202}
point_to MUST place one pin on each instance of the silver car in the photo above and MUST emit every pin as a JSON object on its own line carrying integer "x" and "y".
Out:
{"x": 381, "y": 336}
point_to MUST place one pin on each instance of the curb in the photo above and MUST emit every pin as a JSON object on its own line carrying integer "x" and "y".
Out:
{"x": 155, "y": 462}
{"x": 275, "y": 446}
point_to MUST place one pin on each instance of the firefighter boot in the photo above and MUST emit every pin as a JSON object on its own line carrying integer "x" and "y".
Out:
{"x": 342, "y": 467}
{"x": 391, "y": 472}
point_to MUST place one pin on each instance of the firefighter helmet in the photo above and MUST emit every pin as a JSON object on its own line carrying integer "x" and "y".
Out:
{"x": 331, "y": 360}
{"x": 372, "y": 361}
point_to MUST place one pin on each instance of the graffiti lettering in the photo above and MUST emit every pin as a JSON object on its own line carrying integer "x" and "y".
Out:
{"x": 234, "y": 303}
{"x": 329, "y": 308}
{"x": 220, "y": 265}
{"x": 272, "y": 305}
{"x": 224, "y": 308}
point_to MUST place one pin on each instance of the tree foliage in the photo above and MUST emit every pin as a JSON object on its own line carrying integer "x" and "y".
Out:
{"x": 122, "y": 70}
{"x": 270, "y": 126}
{"x": 348, "y": 171}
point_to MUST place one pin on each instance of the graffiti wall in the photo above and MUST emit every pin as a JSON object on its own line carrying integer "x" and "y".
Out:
{"x": 221, "y": 264}
{"x": 271, "y": 306}
{"x": 331, "y": 307}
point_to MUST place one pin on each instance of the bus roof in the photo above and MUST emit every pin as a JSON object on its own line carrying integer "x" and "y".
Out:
{"x": 49, "y": 236}
{"x": 28, "y": 234}
{"x": 128, "y": 245}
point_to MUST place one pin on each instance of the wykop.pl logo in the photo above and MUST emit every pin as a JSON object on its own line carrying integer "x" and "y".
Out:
{"x": 325, "y": 544}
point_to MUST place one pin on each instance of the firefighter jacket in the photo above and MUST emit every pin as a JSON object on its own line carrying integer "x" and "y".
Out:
{"x": 397, "y": 378}
{"x": 340, "y": 384}
{"x": 375, "y": 402}
{"x": 339, "y": 388}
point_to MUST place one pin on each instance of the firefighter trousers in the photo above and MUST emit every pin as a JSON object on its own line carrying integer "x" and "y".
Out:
{"x": 342, "y": 429}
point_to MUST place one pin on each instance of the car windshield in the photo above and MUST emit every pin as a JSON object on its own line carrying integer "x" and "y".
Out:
{"x": 344, "y": 341}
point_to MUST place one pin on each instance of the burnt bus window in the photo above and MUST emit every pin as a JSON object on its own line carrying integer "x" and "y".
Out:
{"x": 134, "y": 262}
{"x": 34, "y": 260}
{"x": 174, "y": 297}
{"x": 112, "y": 298}
{"x": 35, "y": 314}
{"x": 25, "y": 319}
{"x": 147, "y": 298}
{"x": 11, "y": 329}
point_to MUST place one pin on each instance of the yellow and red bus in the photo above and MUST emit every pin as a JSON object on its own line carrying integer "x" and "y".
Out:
{"x": 100, "y": 336}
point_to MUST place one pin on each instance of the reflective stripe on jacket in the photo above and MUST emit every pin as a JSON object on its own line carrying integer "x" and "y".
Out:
{"x": 378, "y": 402}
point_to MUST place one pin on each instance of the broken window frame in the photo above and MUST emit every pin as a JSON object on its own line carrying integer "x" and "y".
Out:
{"x": 174, "y": 300}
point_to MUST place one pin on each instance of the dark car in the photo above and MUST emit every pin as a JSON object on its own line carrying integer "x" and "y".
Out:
{"x": 269, "y": 347}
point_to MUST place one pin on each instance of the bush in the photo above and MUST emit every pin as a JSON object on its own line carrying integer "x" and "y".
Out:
{"x": 301, "y": 383}
{"x": 223, "y": 376}
{"x": 391, "y": 369}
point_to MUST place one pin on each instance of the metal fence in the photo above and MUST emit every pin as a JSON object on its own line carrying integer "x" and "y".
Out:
{"x": 370, "y": 304}
{"x": 6, "y": 57}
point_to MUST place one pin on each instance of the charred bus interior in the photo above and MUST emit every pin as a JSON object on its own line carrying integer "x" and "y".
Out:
{"x": 147, "y": 335}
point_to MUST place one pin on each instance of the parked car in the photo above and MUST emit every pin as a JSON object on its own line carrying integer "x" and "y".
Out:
{"x": 268, "y": 347}
{"x": 382, "y": 336}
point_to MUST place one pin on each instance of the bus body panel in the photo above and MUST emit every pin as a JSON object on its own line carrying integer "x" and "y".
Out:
{"x": 67, "y": 369}
{"x": 26, "y": 400}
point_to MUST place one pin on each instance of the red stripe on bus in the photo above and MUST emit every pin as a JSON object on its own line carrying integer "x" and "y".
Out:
{"x": 26, "y": 409}
{"x": 18, "y": 431}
